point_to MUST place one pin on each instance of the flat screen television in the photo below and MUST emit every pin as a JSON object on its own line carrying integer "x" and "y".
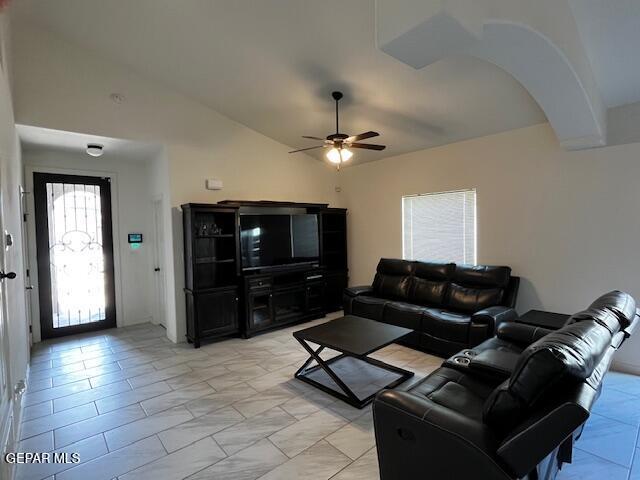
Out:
{"x": 272, "y": 240}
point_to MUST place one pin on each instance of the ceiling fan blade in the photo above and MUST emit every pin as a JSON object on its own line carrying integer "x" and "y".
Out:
{"x": 313, "y": 138}
{"x": 362, "y": 136}
{"x": 367, "y": 146}
{"x": 305, "y": 149}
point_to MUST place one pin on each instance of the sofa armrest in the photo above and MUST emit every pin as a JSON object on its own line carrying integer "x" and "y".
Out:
{"x": 494, "y": 316}
{"x": 521, "y": 333}
{"x": 415, "y": 435}
{"x": 357, "y": 291}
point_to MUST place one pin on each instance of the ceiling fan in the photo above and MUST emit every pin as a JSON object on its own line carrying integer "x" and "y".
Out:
{"x": 340, "y": 143}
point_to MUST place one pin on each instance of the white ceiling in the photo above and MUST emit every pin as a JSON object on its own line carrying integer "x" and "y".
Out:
{"x": 610, "y": 32}
{"x": 37, "y": 138}
{"x": 272, "y": 65}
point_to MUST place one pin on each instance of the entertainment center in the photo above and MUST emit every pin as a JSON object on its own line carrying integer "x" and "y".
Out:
{"x": 252, "y": 266}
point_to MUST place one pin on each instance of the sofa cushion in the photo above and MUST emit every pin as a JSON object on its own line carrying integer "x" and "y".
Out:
{"x": 368, "y": 307}
{"x": 604, "y": 317}
{"x": 428, "y": 292}
{"x": 429, "y": 283}
{"x": 486, "y": 276}
{"x": 403, "y": 315}
{"x": 560, "y": 359}
{"x": 620, "y": 303}
{"x": 446, "y": 324}
{"x": 570, "y": 353}
{"x": 434, "y": 271}
{"x": 393, "y": 278}
{"x": 396, "y": 267}
{"x": 455, "y": 390}
{"x": 502, "y": 410}
{"x": 472, "y": 299}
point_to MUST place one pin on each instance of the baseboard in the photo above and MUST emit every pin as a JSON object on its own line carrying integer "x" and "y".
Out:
{"x": 625, "y": 367}
{"x": 138, "y": 321}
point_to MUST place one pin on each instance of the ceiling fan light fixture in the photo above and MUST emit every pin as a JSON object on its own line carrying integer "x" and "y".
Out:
{"x": 339, "y": 155}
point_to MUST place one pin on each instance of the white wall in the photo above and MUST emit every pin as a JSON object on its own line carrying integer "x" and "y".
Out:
{"x": 566, "y": 222}
{"x": 131, "y": 213}
{"x": 64, "y": 87}
{"x": 11, "y": 180}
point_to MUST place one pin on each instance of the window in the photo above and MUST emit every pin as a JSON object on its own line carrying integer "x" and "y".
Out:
{"x": 440, "y": 227}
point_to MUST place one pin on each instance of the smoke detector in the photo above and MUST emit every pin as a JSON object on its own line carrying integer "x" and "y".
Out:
{"x": 95, "y": 149}
{"x": 117, "y": 98}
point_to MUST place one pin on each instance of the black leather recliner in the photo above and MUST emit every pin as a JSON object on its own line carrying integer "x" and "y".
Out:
{"x": 512, "y": 409}
{"x": 449, "y": 307}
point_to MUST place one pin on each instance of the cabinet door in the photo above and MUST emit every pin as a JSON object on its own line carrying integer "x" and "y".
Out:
{"x": 260, "y": 309}
{"x": 315, "y": 297}
{"x": 289, "y": 303}
{"x": 335, "y": 285}
{"x": 217, "y": 312}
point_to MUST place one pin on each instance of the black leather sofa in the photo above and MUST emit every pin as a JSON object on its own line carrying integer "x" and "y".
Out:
{"x": 448, "y": 306}
{"x": 510, "y": 408}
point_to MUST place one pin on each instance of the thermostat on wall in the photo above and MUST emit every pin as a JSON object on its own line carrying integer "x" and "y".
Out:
{"x": 135, "y": 241}
{"x": 214, "y": 184}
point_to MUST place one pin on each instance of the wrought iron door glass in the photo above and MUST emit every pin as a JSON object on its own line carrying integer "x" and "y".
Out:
{"x": 76, "y": 258}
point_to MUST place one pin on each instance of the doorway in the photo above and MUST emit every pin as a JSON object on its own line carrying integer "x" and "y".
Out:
{"x": 74, "y": 243}
{"x": 159, "y": 262}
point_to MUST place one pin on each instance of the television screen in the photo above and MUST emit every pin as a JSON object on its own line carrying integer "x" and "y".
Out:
{"x": 271, "y": 240}
{"x": 304, "y": 236}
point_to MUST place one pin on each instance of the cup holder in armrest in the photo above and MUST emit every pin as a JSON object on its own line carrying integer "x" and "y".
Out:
{"x": 460, "y": 360}
{"x": 464, "y": 361}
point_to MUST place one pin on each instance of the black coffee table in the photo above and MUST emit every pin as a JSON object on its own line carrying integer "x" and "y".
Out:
{"x": 351, "y": 376}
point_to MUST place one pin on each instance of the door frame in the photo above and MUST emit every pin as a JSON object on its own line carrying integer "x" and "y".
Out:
{"x": 26, "y": 256}
{"x": 160, "y": 309}
{"x": 7, "y": 406}
{"x": 29, "y": 170}
{"x": 42, "y": 250}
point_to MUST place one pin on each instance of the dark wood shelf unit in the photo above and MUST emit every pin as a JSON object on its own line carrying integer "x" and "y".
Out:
{"x": 273, "y": 204}
{"x": 282, "y": 297}
{"x": 223, "y": 300}
{"x": 226, "y": 235}
{"x": 212, "y": 271}
{"x": 207, "y": 260}
{"x": 333, "y": 255}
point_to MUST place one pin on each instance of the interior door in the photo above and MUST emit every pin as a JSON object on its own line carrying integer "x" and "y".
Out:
{"x": 159, "y": 262}
{"x": 74, "y": 242}
{"x": 6, "y": 428}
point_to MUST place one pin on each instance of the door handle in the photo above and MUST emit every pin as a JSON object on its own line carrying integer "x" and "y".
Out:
{"x": 10, "y": 275}
{"x": 157, "y": 269}
{"x": 29, "y": 287}
{"x": 19, "y": 388}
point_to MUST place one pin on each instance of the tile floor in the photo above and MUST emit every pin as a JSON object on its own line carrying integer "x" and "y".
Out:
{"x": 135, "y": 406}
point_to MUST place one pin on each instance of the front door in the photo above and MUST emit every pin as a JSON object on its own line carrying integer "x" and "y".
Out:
{"x": 75, "y": 253}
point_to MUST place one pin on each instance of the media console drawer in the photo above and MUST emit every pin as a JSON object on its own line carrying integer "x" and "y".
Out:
{"x": 315, "y": 276}
{"x": 259, "y": 283}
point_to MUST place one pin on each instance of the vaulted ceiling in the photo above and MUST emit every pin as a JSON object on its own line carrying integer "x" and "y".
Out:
{"x": 271, "y": 65}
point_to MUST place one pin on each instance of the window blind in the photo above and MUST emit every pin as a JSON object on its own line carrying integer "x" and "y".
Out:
{"x": 440, "y": 227}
